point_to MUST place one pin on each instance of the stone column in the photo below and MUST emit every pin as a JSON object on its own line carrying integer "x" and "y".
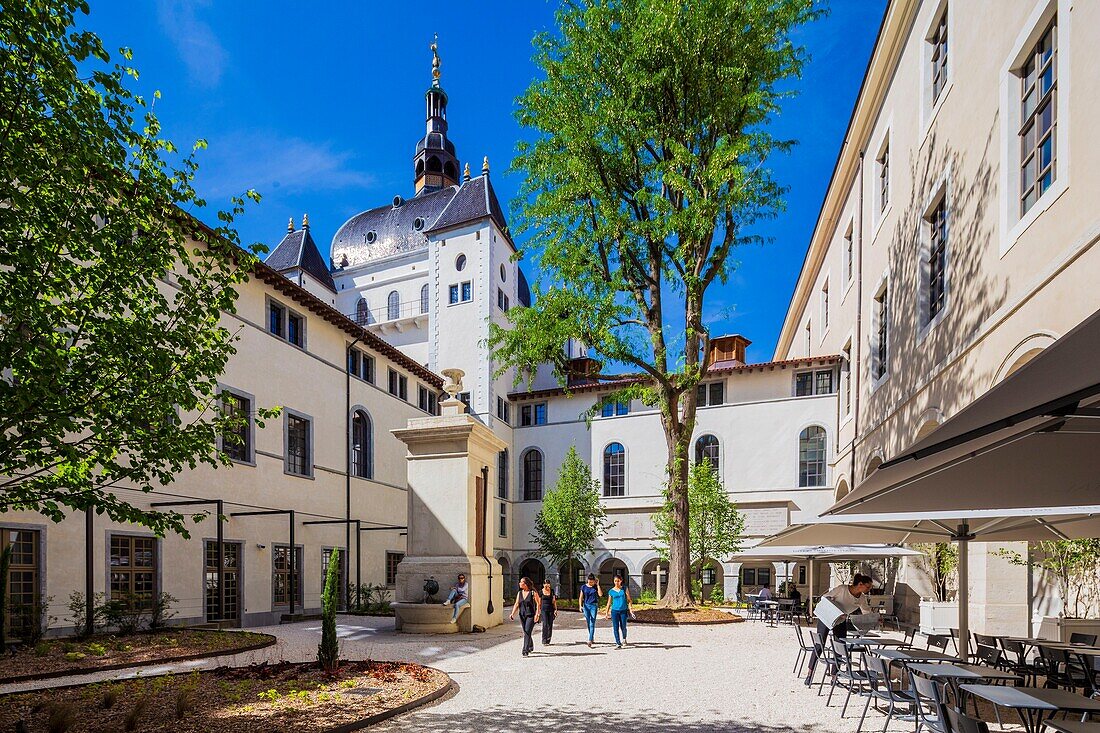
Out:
{"x": 452, "y": 463}
{"x": 999, "y": 597}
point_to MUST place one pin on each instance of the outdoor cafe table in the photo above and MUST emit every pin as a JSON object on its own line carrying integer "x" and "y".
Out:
{"x": 1031, "y": 702}
{"x": 956, "y": 674}
{"x": 1072, "y": 726}
{"x": 870, "y": 640}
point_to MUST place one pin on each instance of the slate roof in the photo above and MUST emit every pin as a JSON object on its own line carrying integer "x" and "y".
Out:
{"x": 389, "y": 230}
{"x": 299, "y": 250}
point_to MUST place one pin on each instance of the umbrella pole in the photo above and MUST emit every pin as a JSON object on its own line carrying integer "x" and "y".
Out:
{"x": 963, "y": 537}
{"x": 810, "y": 600}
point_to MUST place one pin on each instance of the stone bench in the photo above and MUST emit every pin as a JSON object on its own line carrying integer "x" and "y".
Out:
{"x": 430, "y": 618}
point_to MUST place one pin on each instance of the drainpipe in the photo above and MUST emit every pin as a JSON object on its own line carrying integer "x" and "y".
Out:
{"x": 484, "y": 520}
{"x": 857, "y": 341}
{"x": 89, "y": 570}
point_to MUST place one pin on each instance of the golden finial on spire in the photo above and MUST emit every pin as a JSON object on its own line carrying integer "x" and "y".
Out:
{"x": 435, "y": 60}
{"x": 466, "y": 172}
{"x": 290, "y": 225}
{"x": 305, "y": 221}
{"x": 485, "y": 166}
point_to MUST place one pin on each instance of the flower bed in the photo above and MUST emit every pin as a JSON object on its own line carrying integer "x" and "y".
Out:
{"x": 685, "y": 616}
{"x": 258, "y": 698}
{"x": 59, "y": 657}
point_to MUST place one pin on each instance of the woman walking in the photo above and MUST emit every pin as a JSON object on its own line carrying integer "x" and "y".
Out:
{"x": 527, "y": 604}
{"x": 589, "y": 602}
{"x": 618, "y": 609}
{"x": 548, "y": 602}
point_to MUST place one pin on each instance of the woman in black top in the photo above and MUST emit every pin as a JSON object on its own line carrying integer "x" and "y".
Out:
{"x": 548, "y": 602}
{"x": 527, "y": 604}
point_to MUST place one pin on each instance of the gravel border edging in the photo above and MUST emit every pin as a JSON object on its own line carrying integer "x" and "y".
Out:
{"x": 734, "y": 619}
{"x": 269, "y": 641}
{"x": 400, "y": 709}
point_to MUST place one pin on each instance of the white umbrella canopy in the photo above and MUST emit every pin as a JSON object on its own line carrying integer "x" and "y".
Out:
{"x": 1034, "y": 439}
{"x": 987, "y": 525}
{"x": 828, "y": 553}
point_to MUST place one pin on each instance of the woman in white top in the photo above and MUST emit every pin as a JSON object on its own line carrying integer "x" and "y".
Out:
{"x": 850, "y": 599}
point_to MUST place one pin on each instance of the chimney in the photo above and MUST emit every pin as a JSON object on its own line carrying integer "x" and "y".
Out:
{"x": 728, "y": 350}
{"x": 581, "y": 369}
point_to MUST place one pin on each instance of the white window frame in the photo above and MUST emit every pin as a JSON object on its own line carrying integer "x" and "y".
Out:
{"x": 823, "y": 296}
{"x": 880, "y": 213}
{"x": 930, "y": 109}
{"x": 941, "y": 191}
{"x": 884, "y": 285}
{"x": 1013, "y": 225}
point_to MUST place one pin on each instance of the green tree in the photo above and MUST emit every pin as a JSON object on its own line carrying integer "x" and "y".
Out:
{"x": 572, "y": 517}
{"x": 328, "y": 650}
{"x": 646, "y": 168}
{"x": 111, "y": 295}
{"x": 1075, "y": 565}
{"x": 940, "y": 563}
{"x": 715, "y": 526}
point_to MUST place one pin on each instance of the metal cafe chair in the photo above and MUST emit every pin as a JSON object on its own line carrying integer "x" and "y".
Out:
{"x": 928, "y": 703}
{"x": 882, "y": 690}
{"x": 804, "y": 648}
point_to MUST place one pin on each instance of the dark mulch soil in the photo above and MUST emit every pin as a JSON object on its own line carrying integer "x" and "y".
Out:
{"x": 71, "y": 656}
{"x": 260, "y": 698}
{"x": 685, "y": 616}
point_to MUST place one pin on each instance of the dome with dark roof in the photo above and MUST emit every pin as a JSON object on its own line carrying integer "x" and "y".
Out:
{"x": 402, "y": 227}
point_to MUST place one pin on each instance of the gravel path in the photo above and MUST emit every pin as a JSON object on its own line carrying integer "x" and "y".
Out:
{"x": 734, "y": 677}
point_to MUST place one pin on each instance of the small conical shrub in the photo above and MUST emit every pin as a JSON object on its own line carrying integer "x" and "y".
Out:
{"x": 328, "y": 651}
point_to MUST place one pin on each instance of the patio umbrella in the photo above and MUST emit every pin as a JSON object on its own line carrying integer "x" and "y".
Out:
{"x": 986, "y": 525}
{"x": 827, "y": 553}
{"x": 1032, "y": 439}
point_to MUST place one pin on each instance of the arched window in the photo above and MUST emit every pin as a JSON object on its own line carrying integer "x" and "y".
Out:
{"x": 362, "y": 446}
{"x": 811, "y": 456}
{"x": 434, "y": 165}
{"x": 707, "y": 447}
{"x": 393, "y": 306}
{"x": 532, "y": 475}
{"x": 362, "y": 312}
{"x": 614, "y": 470}
{"x": 424, "y": 299}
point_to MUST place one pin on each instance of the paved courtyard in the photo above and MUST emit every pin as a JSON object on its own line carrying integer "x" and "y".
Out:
{"x": 735, "y": 677}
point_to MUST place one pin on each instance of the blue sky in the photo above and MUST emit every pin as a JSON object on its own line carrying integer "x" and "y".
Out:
{"x": 318, "y": 106}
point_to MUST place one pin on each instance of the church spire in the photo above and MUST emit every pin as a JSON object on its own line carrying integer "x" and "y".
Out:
{"x": 435, "y": 162}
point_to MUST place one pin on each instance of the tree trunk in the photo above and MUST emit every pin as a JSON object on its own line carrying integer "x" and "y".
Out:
{"x": 678, "y": 593}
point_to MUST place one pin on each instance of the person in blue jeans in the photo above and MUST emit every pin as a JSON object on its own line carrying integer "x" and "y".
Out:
{"x": 618, "y": 609}
{"x": 589, "y": 601}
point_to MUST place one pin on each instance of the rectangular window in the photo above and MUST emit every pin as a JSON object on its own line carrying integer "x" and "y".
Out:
{"x": 937, "y": 258}
{"x": 393, "y": 559}
{"x": 452, "y": 294}
{"x": 297, "y": 446}
{"x": 276, "y": 319}
{"x": 504, "y": 410}
{"x": 533, "y": 414}
{"x": 281, "y": 575}
{"x": 748, "y": 578}
{"x": 355, "y": 361}
{"x": 467, "y": 292}
{"x": 809, "y": 341}
{"x": 24, "y": 594}
{"x": 503, "y": 519}
{"x": 825, "y": 307}
{"x": 236, "y": 438}
{"x": 849, "y": 255}
{"x": 502, "y": 300}
{"x": 882, "y": 334}
{"x": 612, "y": 409}
{"x": 803, "y": 384}
{"x": 847, "y": 376}
{"x": 711, "y": 393}
{"x": 824, "y": 381}
{"x": 133, "y": 570}
{"x": 939, "y": 57}
{"x": 709, "y": 576}
{"x": 764, "y": 576}
{"x": 231, "y": 565}
{"x": 811, "y": 383}
{"x": 399, "y": 385}
{"x": 1039, "y": 118}
{"x": 296, "y": 330}
{"x": 464, "y": 398}
{"x": 883, "y": 163}
{"x": 368, "y": 368}
{"x": 427, "y": 400}
{"x": 502, "y": 474}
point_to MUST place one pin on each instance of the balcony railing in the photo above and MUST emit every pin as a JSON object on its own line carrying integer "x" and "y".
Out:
{"x": 367, "y": 314}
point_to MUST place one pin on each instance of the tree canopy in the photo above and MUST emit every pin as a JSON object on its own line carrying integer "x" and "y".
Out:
{"x": 571, "y": 518}
{"x": 111, "y": 293}
{"x": 646, "y": 167}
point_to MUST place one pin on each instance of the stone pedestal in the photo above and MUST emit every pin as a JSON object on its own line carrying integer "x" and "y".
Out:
{"x": 452, "y": 463}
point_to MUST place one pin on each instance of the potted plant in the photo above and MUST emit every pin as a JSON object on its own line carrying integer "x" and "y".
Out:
{"x": 1073, "y": 567}
{"x": 939, "y": 564}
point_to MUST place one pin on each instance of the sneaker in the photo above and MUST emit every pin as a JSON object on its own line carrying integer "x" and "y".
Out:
{"x": 590, "y": 645}
{"x": 618, "y": 646}
{"x": 446, "y": 603}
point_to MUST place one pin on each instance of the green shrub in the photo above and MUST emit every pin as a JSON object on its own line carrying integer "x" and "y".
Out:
{"x": 75, "y": 656}
{"x": 647, "y": 596}
{"x": 133, "y": 718}
{"x": 42, "y": 648}
{"x": 78, "y": 614}
{"x": 62, "y": 718}
{"x": 97, "y": 649}
{"x": 328, "y": 651}
{"x": 161, "y": 610}
{"x": 717, "y": 595}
